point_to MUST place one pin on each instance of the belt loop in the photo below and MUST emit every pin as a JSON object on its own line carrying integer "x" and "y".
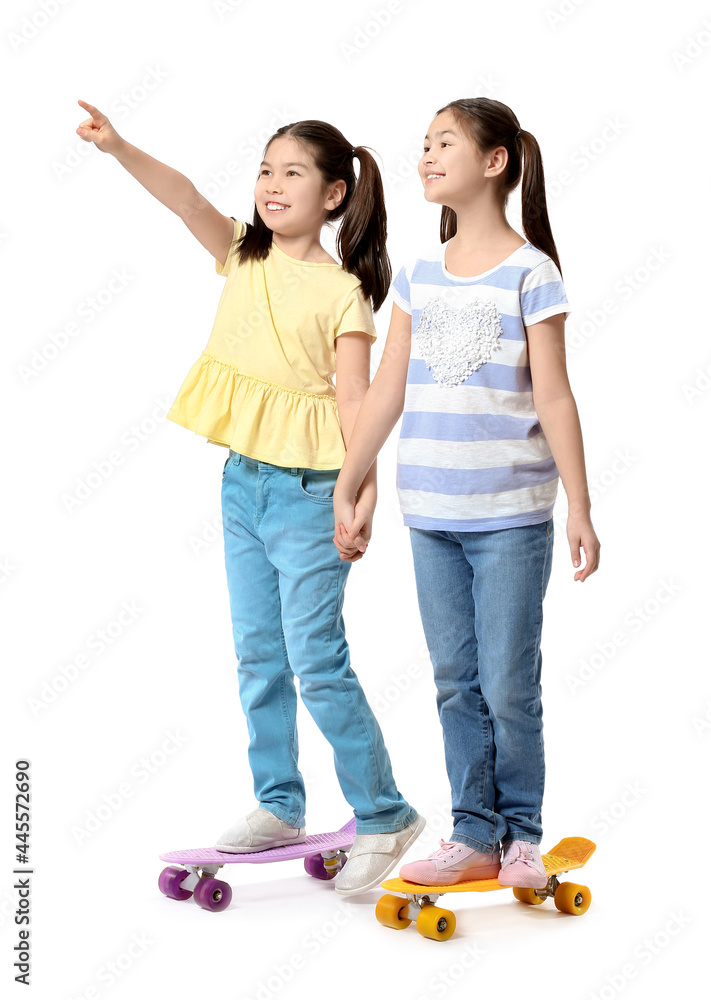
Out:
{"x": 294, "y": 471}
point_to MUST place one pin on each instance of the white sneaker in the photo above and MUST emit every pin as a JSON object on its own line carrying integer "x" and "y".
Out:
{"x": 259, "y": 831}
{"x": 373, "y": 855}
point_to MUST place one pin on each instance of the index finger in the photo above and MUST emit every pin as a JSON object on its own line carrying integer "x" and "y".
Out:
{"x": 94, "y": 112}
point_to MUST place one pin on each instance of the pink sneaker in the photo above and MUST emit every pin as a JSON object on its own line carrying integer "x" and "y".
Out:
{"x": 521, "y": 865}
{"x": 450, "y": 863}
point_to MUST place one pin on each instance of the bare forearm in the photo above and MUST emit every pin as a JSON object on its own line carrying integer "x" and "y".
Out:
{"x": 348, "y": 412}
{"x": 375, "y": 419}
{"x": 173, "y": 189}
{"x": 561, "y": 426}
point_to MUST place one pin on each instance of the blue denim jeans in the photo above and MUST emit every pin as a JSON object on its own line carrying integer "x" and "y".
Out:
{"x": 286, "y": 585}
{"x": 480, "y": 595}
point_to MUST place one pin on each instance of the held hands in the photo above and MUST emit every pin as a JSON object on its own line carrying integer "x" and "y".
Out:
{"x": 582, "y": 534}
{"x": 99, "y": 130}
{"x": 354, "y": 522}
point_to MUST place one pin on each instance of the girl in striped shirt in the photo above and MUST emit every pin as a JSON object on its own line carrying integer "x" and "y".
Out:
{"x": 475, "y": 363}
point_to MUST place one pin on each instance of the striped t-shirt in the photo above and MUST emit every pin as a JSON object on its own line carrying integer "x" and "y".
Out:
{"x": 472, "y": 455}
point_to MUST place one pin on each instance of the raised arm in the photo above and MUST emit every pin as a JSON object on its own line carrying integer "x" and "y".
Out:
{"x": 173, "y": 189}
{"x": 383, "y": 404}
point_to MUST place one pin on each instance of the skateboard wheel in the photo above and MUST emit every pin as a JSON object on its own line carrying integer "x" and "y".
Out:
{"x": 527, "y": 895}
{"x": 435, "y": 923}
{"x": 212, "y": 894}
{"x": 572, "y": 898}
{"x": 314, "y": 865}
{"x": 389, "y": 910}
{"x": 169, "y": 883}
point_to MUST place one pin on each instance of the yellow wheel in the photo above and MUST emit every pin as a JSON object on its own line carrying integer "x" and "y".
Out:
{"x": 432, "y": 922}
{"x": 388, "y": 912}
{"x": 527, "y": 895}
{"x": 572, "y": 898}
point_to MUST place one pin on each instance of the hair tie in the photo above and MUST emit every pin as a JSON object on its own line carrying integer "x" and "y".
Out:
{"x": 517, "y": 134}
{"x": 353, "y": 151}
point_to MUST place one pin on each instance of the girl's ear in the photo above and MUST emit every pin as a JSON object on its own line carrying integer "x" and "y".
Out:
{"x": 336, "y": 194}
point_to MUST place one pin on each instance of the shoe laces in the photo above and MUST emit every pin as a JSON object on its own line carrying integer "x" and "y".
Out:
{"x": 446, "y": 850}
{"x": 524, "y": 855}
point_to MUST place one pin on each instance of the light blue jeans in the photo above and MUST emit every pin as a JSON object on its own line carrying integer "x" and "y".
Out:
{"x": 480, "y": 595}
{"x": 286, "y": 584}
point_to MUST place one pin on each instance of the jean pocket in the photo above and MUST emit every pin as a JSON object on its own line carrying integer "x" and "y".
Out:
{"x": 234, "y": 458}
{"x": 318, "y": 484}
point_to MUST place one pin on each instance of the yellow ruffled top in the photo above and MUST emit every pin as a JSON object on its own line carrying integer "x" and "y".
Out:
{"x": 263, "y": 386}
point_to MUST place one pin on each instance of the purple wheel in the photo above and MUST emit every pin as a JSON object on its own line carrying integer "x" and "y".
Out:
{"x": 212, "y": 894}
{"x": 169, "y": 883}
{"x": 313, "y": 863}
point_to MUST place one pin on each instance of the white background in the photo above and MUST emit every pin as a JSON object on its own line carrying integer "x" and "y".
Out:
{"x": 146, "y": 728}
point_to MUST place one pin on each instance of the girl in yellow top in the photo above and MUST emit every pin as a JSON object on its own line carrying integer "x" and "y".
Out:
{"x": 290, "y": 318}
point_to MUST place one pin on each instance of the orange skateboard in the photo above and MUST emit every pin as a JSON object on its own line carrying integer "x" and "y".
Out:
{"x": 438, "y": 924}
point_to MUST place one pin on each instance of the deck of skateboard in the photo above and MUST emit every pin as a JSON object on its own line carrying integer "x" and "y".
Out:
{"x": 323, "y": 853}
{"x": 439, "y": 924}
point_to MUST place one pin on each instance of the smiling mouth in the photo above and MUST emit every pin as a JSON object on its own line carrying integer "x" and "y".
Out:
{"x": 431, "y": 178}
{"x": 275, "y": 206}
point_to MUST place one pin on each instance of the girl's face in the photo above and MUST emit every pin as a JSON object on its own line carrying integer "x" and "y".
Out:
{"x": 290, "y": 193}
{"x": 452, "y": 169}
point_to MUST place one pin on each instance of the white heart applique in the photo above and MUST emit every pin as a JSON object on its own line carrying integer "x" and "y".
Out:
{"x": 455, "y": 342}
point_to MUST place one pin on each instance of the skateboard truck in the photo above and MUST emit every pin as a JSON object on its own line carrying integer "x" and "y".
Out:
{"x": 549, "y": 890}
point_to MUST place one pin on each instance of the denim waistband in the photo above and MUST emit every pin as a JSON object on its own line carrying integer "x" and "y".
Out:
{"x": 258, "y": 464}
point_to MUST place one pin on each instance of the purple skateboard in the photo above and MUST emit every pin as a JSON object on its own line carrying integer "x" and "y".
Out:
{"x": 323, "y": 853}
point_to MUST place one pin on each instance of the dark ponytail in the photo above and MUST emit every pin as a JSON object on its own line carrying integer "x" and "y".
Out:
{"x": 361, "y": 237}
{"x": 490, "y": 124}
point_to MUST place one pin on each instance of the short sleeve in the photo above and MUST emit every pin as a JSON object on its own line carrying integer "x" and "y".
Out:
{"x": 542, "y": 293}
{"x": 400, "y": 289}
{"x": 357, "y": 315}
{"x": 239, "y": 230}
